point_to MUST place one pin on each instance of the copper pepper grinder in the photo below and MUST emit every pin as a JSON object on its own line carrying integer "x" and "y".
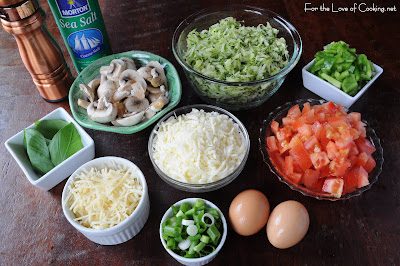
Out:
{"x": 39, "y": 51}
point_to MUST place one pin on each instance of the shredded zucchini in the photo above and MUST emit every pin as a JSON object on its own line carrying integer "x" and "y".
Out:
{"x": 229, "y": 51}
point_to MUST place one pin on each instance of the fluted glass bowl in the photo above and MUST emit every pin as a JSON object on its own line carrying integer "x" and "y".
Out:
{"x": 281, "y": 112}
{"x": 199, "y": 188}
{"x": 235, "y": 95}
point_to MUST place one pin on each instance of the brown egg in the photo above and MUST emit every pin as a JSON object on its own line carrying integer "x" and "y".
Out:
{"x": 249, "y": 212}
{"x": 288, "y": 224}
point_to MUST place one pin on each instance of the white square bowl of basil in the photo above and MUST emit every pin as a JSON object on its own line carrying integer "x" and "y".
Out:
{"x": 15, "y": 145}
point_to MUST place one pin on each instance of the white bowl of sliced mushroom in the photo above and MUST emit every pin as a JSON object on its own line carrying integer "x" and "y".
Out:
{"x": 125, "y": 93}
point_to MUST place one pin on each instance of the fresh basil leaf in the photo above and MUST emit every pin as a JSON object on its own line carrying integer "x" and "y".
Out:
{"x": 37, "y": 150}
{"x": 49, "y": 128}
{"x": 65, "y": 142}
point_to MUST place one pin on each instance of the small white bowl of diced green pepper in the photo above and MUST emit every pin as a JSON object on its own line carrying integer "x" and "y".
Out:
{"x": 193, "y": 231}
{"x": 339, "y": 74}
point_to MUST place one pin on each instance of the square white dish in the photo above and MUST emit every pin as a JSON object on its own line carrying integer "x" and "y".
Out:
{"x": 329, "y": 92}
{"x": 15, "y": 146}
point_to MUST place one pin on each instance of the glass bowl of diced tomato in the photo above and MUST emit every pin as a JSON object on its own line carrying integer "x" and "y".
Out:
{"x": 321, "y": 149}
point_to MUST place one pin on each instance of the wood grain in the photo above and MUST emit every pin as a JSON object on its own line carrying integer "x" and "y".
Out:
{"x": 361, "y": 231}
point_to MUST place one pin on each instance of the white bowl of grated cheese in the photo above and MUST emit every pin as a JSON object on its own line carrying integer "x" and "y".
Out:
{"x": 107, "y": 200}
{"x": 199, "y": 148}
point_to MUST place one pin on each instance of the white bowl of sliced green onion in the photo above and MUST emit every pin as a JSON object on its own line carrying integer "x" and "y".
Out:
{"x": 193, "y": 231}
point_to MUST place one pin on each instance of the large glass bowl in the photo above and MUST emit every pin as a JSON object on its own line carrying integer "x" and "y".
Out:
{"x": 236, "y": 95}
{"x": 281, "y": 112}
{"x": 199, "y": 187}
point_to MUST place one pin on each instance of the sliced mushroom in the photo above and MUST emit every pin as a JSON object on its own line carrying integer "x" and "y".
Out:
{"x": 156, "y": 107}
{"x": 107, "y": 70}
{"x": 138, "y": 91}
{"x": 145, "y": 72}
{"x": 106, "y": 89}
{"x": 102, "y": 112}
{"x": 129, "y": 119}
{"x": 129, "y": 77}
{"x": 120, "y": 95}
{"x": 154, "y": 90}
{"x": 134, "y": 104}
{"x": 130, "y": 64}
{"x": 89, "y": 92}
{"x": 154, "y": 96}
{"x": 83, "y": 103}
{"x": 157, "y": 73}
{"x": 121, "y": 110}
{"x": 94, "y": 84}
{"x": 118, "y": 67}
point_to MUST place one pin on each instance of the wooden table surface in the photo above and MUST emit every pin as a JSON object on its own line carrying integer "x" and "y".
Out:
{"x": 361, "y": 231}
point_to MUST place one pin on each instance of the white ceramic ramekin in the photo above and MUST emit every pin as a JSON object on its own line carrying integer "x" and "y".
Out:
{"x": 16, "y": 147}
{"x": 123, "y": 231}
{"x": 329, "y": 92}
{"x": 194, "y": 261}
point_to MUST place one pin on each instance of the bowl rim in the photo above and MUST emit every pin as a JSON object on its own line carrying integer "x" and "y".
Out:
{"x": 216, "y": 184}
{"x": 371, "y": 135}
{"x": 117, "y": 228}
{"x": 140, "y": 126}
{"x": 298, "y": 45}
{"x": 194, "y": 260}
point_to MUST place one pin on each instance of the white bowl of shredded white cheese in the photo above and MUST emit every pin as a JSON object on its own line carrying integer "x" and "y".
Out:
{"x": 107, "y": 200}
{"x": 199, "y": 148}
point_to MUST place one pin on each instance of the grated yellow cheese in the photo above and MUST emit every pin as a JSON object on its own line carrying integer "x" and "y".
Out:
{"x": 103, "y": 198}
{"x": 199, "y": 147}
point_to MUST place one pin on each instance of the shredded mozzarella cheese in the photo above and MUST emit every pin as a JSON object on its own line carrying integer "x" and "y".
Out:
{"x": 103, "y": 198}
{"x": 199, "y": 147}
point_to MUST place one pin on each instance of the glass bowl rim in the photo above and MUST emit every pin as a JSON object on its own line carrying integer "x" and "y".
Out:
{"x": 208, "y": 186}
{"x": 371, "y": 134}
{"x": 298, "y": 45}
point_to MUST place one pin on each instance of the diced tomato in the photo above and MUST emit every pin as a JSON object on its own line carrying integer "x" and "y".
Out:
{"x": 294, "y": 112}
{"x": 272, "y": 143}
{"x": 305, "y": 130}
{"x": 298, "y": 122}
{"x": 310, "y": 117}
{"x": 331, "y": 150}
{"x": 339, "y": 169}
{"x": 310, "y": 178}
{"x": 360, "y": 127}
{"x": 362, "y": 178}
{"x": 322, "y": 148}
{"x": 287, "y": 121}
{"x": 333, "y": 186}
{"x": 353, "y": 149}
{"x": 370, "y": 165}
{"x": 330, "y": 108}
{"x": 319, "y": 160}
{"x": 283, "y": 146}
{"x": 362, "y": 159}
{"x": 288, "y": 165}
{"x": 317, "y": 129}
{"x": 283, "y": 133}
{"x": 344, "y": 141}
{"x": 312, "y": 145}
{"x": 301, "y": 155}
{"x": 306, "y": 108}
{"x": 274, "y": 126}
{"x": 296, "y": 177}
{"x": 365, "y": 145}
{"x": 277, "y": 159}
{"x": 353, "y": 118}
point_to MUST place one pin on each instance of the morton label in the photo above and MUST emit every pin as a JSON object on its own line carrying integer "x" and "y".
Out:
{"x": 86, "y": 43}
{"x": 73, "y": 8}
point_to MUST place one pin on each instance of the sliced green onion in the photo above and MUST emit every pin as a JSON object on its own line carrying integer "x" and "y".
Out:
{"x": 187, "y": 222}
{"x": 213, "y": 232}
{"x": 174, "y": 209}
{"x": 204, "y": 239}
{"x": 172, "y": 231}
{"x": 210, "y": 217}
{"x": 185, "y": 244}
{"x": 199, "y": 247}
{"x": 180, "y": 213}
{"x": 184, "y": 207}
{"x": 171, "y": 244}
{"x": 192, "y": 230}
{"x": 192, "y": 245}
{"x": 196, "y": 237}
{"x": 199, "y": 203}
